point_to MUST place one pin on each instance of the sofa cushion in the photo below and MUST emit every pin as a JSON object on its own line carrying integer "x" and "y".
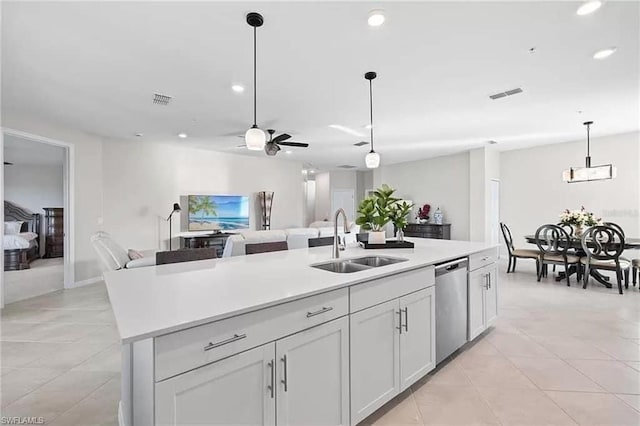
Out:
{"x": 139, "y": 263}
{"x": 112, "y": 255}
{"x": 299, "y": 237}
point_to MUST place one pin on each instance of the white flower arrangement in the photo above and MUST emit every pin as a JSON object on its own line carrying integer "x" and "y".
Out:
{"x": 579, "y": 218}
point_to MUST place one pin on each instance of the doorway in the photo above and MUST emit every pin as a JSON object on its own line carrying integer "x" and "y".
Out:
{"x": 345, "y": 199}
{"x": 36, "y": 236}
{"x": 494, "y": 211}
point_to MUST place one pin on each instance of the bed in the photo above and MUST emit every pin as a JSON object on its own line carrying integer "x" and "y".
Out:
{"x": 22, "y": 247}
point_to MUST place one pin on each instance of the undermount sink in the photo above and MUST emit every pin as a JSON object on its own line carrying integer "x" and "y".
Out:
{"x": 348, "y": 266}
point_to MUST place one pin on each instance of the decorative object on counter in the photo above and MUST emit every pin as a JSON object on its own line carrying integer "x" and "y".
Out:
{"x": 375, "y": 212}
{"x": 176, "y": 209}
{"x": 391, "y": 244}
{"x": 398, "y": 213}
{"x": 438, "y": 217}
{"x": 255, "y": 138}
{"x": 372, "y": 160}
{"x": 589, "y": 172}
{"x": 579, "y": 219}
{"x": 266, "y": 202}
{"x": 423, "y": 213}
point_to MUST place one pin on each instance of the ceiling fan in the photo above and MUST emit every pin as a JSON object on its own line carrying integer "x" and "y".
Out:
{"x": 6, "y": 163}
{"x": 273, "y": 144}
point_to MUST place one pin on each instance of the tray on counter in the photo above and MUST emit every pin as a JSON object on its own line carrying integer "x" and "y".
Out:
{"x": 390, "y": 244}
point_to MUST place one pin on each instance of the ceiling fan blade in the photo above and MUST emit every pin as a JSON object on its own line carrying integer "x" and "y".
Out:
{"x": 6, "y": 163}
{"x": 298, "y": 144}
{"x": 282, "y": 137}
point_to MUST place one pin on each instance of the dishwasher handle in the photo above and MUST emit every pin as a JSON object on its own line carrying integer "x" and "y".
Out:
{"x": 447, "y": 267}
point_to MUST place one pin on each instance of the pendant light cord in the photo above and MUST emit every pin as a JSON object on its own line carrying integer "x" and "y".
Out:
{"x": 255, "y": 87}
{"x": 588, "y": 141}
{"x": 371, "y": 110}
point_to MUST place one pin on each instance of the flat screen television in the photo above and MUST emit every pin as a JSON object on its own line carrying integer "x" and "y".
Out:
{"x": 218, "y": 212}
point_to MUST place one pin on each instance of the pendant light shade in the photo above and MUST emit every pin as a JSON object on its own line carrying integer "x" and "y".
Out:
{"x": 372, "y": 160}
{"x": 589, "y": 173}
{"x": 255, "y": 138}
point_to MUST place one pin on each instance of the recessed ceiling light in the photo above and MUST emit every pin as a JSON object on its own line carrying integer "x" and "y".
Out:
{"x": 604, "y": 53}
{"x": 589, "y": 7}
{"x": 182, "y": 135}
{"x": 376, "y": 18}
{"x": 288, "y": 151}
{"x": 346, "y": 129}
{"x": 312, "y": 171}
{"x": 237, "y": 88}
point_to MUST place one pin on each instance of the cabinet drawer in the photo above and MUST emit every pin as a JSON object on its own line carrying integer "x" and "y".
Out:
{"x": 483, "y": 258}
{"x": 371, "y": 293}
{"x": 184, "y": 350}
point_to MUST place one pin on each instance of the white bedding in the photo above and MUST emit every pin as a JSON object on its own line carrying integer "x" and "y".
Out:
{"x": 23, "y": 240}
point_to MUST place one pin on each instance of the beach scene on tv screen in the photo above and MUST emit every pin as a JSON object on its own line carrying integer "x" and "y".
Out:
{"x": 218, "y": 212}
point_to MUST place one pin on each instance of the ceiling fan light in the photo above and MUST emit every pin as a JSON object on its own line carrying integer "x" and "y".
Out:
{"x": 255, "y": 139}
{"x": 372, "y": 160}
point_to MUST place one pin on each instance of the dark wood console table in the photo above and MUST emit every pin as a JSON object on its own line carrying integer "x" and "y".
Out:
{"x": 428, "y": 230}
{"x": 217, "y": 240}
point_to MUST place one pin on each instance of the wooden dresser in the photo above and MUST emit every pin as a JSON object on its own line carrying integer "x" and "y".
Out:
{"x": 428, "y": 230}
{"x": 53, "y": 232}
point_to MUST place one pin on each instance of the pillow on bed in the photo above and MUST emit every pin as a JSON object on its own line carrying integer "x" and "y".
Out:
{"x": 134, "y": 254}
{"x": 12, "y": 228}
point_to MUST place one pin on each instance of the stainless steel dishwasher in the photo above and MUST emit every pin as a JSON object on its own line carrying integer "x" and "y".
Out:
{"x": 451, "y": 307}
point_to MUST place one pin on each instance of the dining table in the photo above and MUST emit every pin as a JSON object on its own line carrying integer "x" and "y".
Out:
{"x": 575, "y": 243}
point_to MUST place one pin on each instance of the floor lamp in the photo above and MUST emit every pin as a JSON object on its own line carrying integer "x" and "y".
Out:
{"x": 176, "y": 209}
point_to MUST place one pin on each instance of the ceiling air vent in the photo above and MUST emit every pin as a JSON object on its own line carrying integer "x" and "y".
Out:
{"x": 361, "y": 143}
{"x": 506, "y": 93}
{"x": 159, "y": 99}
{"x": 346, "y": 166}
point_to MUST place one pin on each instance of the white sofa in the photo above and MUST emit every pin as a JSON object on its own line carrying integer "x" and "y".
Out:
{"x": 295, "y": 237}
{"x": 114, "y": 257}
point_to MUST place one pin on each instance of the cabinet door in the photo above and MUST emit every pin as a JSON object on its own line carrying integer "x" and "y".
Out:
{"x": 313, "y": 376}
{"x": 234, "y": 391}
{"x": 375, "y": 358}
{"x": 417, "y": 337}
{"x": 491, "y": 296}
{"x": 477, "y": 282}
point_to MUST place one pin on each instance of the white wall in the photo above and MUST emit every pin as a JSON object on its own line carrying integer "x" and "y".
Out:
{"x": 441, "y": 181}
{"x": 533, "y": 193}
{"x": 323, "y": 196}
{"x": 34, "y": 187}
{"x": 87, "y": 182}
{"x": 143, "y": 180}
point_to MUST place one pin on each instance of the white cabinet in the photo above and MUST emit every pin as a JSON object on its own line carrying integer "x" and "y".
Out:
{"x": 375, "y": 355}
{"x": 234, "y": 391}
{"x": 417, "y": 337}
{"x": 392, "y": 346}
{"x": 313, "y": 376}
{"x": 305, "y": 376}
{"x": 483, "y": 299}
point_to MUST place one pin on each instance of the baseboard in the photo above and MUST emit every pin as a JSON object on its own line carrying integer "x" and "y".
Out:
{"x": 84, "y": 282}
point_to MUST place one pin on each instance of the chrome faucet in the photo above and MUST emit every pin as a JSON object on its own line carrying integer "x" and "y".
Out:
{"x": 336, "y": 246}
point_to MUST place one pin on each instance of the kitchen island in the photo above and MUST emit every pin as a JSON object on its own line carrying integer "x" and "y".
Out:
{"x": 269, "y": 339}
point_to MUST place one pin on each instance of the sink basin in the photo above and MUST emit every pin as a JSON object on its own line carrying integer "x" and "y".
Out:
{"x": 348, "y": 266}
{"x": 375, "y": 261}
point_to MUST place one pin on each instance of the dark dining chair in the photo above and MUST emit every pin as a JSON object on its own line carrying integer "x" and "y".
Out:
{"x": 515, "y": 253}
{"x": 553, "y": 243}
{"x": 321, "y": 241}
{"x": 603, "y": 246}
{"x": 265, "y": 247}
{"x": 635, "y": 263}
{"x": 185, "y": 255}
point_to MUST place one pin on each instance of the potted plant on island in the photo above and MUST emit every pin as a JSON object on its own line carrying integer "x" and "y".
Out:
{"x": 398, "y": 214}
{"x": 378, "y": 210}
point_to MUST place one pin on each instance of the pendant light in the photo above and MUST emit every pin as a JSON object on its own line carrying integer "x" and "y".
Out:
{"x": 589, "y": 172}
{"x": 372, "y": 160}
{"x": 255, "y": 138}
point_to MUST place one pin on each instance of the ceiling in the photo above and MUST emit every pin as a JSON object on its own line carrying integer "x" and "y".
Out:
{"x": 94, "y": 66}
{"x": 25, "y": 152}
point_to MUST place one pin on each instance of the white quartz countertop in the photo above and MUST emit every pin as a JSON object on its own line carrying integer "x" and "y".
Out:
{"x": 156, "y": 300}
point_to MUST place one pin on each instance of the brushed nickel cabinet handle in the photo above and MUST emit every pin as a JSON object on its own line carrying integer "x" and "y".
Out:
{"x": 406, "y": 319}
{"x": 399, "y": 319}
{"x": 235, "y": 338}
{"x": 271, "y": 387}
{"x": 319, "y": 311}
{"x": 284, "y": 380}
